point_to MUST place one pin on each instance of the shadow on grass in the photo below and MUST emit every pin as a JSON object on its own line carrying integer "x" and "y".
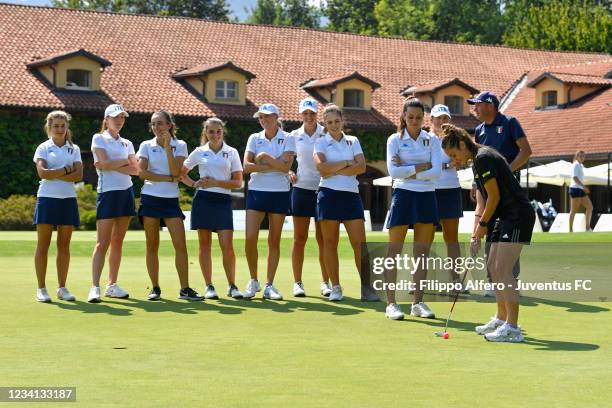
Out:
{"x": 125, "y": 307}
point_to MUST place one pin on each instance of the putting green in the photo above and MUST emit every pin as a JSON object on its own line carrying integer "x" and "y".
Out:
{"x": 294, "y": 353}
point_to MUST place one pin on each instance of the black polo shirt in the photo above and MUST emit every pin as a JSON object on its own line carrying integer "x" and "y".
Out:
{"x": 501, "y": 135}
{"x": 489, "y": 164}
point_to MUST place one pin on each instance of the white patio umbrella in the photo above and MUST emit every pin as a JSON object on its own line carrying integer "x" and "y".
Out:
{"x": 559, "y": 173}
{"x": 466, "y": 178}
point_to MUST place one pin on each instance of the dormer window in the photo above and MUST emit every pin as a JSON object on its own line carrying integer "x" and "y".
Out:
{"x": 351, "y": 91}
{"x": 78, "y": 70}
{"x": 549, "y": 99}
{"x": 226, "y": 89}
{"x": 223, "y": 83}
{"x": 353, "y": 98}
{"x": 78, "y": 79}
{"x": 455, "y": 104}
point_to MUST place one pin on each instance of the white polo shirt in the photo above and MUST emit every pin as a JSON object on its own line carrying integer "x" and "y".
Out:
{"x": 270, "y": 180}
{"x": 346, "y": 149}
{"x": 449, "y": 177}
{"x": 116, "y": 149}
{"x": 425, "y": 149}
{"x": 158, "y": 164}
{"x": 577, "y": 171}
{"x": 307, "y": 174}
{"x": 219, "y": 166}
{"x": 57, "y": 157}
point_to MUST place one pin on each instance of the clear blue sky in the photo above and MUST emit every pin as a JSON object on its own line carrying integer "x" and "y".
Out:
{"x": 237, "y": 7}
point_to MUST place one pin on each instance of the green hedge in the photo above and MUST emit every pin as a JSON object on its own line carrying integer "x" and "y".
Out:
{"x": 19, "y": 139}
{"x": 17, "y": 213}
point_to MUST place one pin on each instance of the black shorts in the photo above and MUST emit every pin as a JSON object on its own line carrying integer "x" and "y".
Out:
{"x": 517, "y": 230}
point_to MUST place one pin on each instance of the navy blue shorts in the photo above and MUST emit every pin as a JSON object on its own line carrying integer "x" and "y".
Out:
{"x": 276, "y": 202}
{"x": 576, "y": 192}
{"x": 212, "y": 211}
{"x": 115, "y": 203}
{"x": 303, "y": 202}
{"x": 159, "y": 207}
{"x": 412, "y": 207}
{"x": 449, "y": 202}
{"x": 338, "y": 205}
{"x": 56, "y": 211}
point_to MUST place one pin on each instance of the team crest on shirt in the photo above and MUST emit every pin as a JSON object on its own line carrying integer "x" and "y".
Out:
{"x": 154, "y": 150}
{"x": 259, "y": 142}
{"x": 281, "y": 141}
{"x": 225, "y": 155}
{"x": 349, "y": 142}
{"x": 426, "y": 142}
{"x": 70, "y": 150}
{"x": 500, "y": 129}
{"x": 205, "y": 155}
{"x": 301, "y": 139}
{"x": 124, "y": 144}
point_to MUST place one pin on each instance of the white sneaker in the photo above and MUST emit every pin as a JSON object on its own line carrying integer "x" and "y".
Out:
{"x": 64, "y": 294}
{"x": 421, "y": 310}
{"x": 505, "y": 333}
{"x": 325, "y": 289}
{"x": 94, "y": 295}
{"x": 489, "y": 293}
{"x": 336, "y": 294}
{"x": 489, "y": 327}
{"x": 210, "y": 293}
{"x": 270, "y": 292}
{"x": 42, "y": 295}
{"x": 298, "y": 289}
{"x": 233, "y": 292}
{"x": 394, "y": 312}
{"x": 115, "y": 291}
{"x": 252, "y": 287}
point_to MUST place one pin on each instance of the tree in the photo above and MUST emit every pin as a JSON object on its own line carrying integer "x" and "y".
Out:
{"x": 205, "y": 9}
{"x": 562, "y": 25}
{"x": 405, "y": 18}
{"x": 297, "y": 13}
{"x": 354, "y": 16}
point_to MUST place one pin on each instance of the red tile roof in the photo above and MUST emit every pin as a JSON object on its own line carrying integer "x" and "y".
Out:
{"x": 200, "y": 70}
{"x": 583, "y": 125}
{"x": 434, "y": 86}
{"x": 332, "y": 81}
{"x": 145, "y": 51}
{"x": 69, "y": 54}
{"x": 572, "y": 79}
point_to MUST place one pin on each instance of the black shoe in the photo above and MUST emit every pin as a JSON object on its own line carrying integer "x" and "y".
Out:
{"x": 155, "y": 293}
{"x": 368, "y": 294}
{"x": 190, "y": 294}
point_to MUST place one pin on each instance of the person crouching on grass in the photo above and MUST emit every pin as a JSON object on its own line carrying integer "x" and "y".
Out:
{"x": 505, "y": 200}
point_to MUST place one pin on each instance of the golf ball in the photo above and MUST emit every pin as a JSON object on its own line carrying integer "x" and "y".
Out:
{"x": 445, "y": 336}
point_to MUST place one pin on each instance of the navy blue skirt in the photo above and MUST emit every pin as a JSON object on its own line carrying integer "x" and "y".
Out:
{"x": 159, "y": 207}
{"x": 56, "y": 211}
{"x": 212, "y": 211}
{"x": 338, "y": 205}
{"x": 303, "y": 202}
{"x": 277, "y": 202}
{"x": 115, "y": 203}
{"x": 411, "y": 207}
{"x": 576, "y": 192}
{"x": 450, "y": 204}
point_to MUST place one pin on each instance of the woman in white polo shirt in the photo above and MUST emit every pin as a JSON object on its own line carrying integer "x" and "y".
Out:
{"x": 414, "y": 161}
{"x": 267, "y": 158}
{"x": 304, "y": 195}
{"x": 58, "y": 163}
{"x": 220, "y": 171}
{"x": 448, "y": 192}
{"x": 579, "y": 192}
{"x": 339, "y": 159}
{"x": 115, "y": 162}
{"x": 160, "y": 161}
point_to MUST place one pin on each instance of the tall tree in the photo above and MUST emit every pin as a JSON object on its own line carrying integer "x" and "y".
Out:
{"x": 297, "y": 13}
{"x": 563, "y": 25}
{"x": 354, "y": 16}
{"x": 205, "y": 9}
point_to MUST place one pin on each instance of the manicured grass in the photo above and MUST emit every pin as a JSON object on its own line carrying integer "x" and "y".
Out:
{"x": 295, "y": 353}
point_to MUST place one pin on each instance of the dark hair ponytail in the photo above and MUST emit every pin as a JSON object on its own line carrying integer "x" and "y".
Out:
{"x": 453, "y": 136}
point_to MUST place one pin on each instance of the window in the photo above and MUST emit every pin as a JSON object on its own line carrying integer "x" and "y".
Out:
{"x": 78, "y": 79}
{"x": 226, "y": 89}
{"x": 455, "y": 104}
{"x": 353, "y": 98}
{"x": 549, "y": 99}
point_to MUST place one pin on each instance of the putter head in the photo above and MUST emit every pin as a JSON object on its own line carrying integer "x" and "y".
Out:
{"x": 440, "y": 333}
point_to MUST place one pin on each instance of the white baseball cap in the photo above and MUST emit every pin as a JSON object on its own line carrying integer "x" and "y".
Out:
{"x": 439, "y": 110}
{"x": 114, "y": 110}
{"x": 266, "y": 109}
{"x": 308, "y": 104}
